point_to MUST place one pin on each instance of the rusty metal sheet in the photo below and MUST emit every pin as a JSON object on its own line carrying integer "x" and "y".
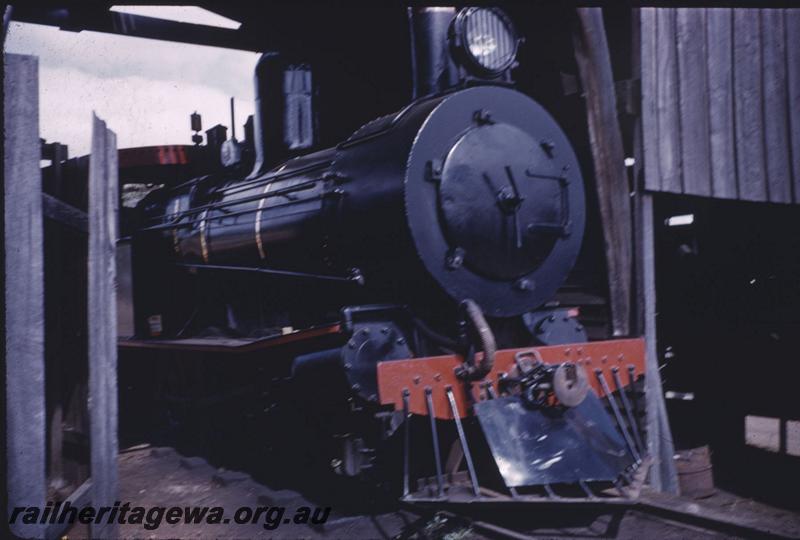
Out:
{"x": 147, "y": 156}
{"x": 437, "y": 372}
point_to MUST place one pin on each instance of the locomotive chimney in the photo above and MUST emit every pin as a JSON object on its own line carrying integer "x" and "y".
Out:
{"x": 284, "y": 121}
{"x": 432, "y": 64}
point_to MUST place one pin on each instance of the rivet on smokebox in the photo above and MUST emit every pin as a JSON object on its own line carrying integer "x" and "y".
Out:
{"x": 454, "y": 258}
{"x": 523, "y": 285}
{"x": 434, "y": 170}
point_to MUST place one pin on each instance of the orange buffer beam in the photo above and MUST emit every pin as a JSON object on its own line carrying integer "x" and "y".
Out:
{"x": 438, "y": 372}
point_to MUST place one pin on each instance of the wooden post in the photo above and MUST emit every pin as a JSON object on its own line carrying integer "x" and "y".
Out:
{"x": 613, "y": 192}
{"x": 663, "y": 476}
{"x": 24, "y": 291}
{"x": 594, "y": 64}
{"x": 103, "y": 207}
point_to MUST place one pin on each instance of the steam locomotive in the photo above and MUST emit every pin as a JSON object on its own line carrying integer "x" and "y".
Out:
{"x": 427, "y": 243}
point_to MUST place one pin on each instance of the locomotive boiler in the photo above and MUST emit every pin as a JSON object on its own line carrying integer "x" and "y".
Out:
{"x": 477, "y": 191}
{"x": 432, "y": 238}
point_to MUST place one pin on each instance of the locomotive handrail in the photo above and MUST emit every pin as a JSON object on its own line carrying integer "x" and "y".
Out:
{"x": 350, "y": 313}
{"x": 238, "y": 187}
{"x": 308, "y": 184}
{"x": 270, "y": 271}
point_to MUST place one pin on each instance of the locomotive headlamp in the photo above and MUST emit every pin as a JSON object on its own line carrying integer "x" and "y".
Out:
{"x": 486, "y": 38}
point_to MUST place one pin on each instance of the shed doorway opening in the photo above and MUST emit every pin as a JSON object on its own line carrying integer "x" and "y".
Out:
{"x": 728, "y": 289}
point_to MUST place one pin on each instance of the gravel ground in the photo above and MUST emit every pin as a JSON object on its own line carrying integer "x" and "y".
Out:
{"x": 161, "y": 477}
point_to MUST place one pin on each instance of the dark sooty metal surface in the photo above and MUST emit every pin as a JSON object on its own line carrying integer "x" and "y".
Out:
{"x": 551, "y": 446}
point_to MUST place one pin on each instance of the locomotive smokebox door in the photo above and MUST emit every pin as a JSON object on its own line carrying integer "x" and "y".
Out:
{"x": 503, "y": 201}
{"x": 494, "y": 200}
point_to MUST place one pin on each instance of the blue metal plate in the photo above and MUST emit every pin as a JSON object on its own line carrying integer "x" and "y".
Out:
{"x": 552, "y": 445}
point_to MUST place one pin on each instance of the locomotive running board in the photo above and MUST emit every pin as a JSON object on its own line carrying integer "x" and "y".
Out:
{"x": 533, "y": 448}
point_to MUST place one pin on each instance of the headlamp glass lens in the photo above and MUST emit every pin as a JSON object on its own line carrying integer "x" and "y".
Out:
{"x": 490, "y": 39}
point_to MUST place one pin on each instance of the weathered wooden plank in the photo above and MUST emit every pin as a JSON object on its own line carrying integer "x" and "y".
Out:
{"x": 749, "y": 121}
{"x": 667, "y": 103}
{"x": 663, "y": 476}
{"x": 793, "y": 79}
{"x": 62, "y": 212}
{"x": 719, "y": 22}
{"x": 24, "y": 291}
{"x": 642, "y": 20}
{"x": 77, "y": 499}
{"x": 103, "y": 202}
{"x": 693, "y": 98}
{"x": 776, "y": 124}
{"x": 126, "y": 326}
{"x": 649, "y": 77}
{"x": 594, "y": 66}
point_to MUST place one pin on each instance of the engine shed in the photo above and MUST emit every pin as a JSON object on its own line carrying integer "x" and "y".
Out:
{"x": 682, "y": 128}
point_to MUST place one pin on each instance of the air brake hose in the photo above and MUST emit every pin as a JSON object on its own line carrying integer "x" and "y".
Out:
{"x": 474, "y": 316}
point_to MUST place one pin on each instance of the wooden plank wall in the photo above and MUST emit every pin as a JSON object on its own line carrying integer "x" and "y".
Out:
{"x": 721, "y": 102}
{"x": 24, "y": 291}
